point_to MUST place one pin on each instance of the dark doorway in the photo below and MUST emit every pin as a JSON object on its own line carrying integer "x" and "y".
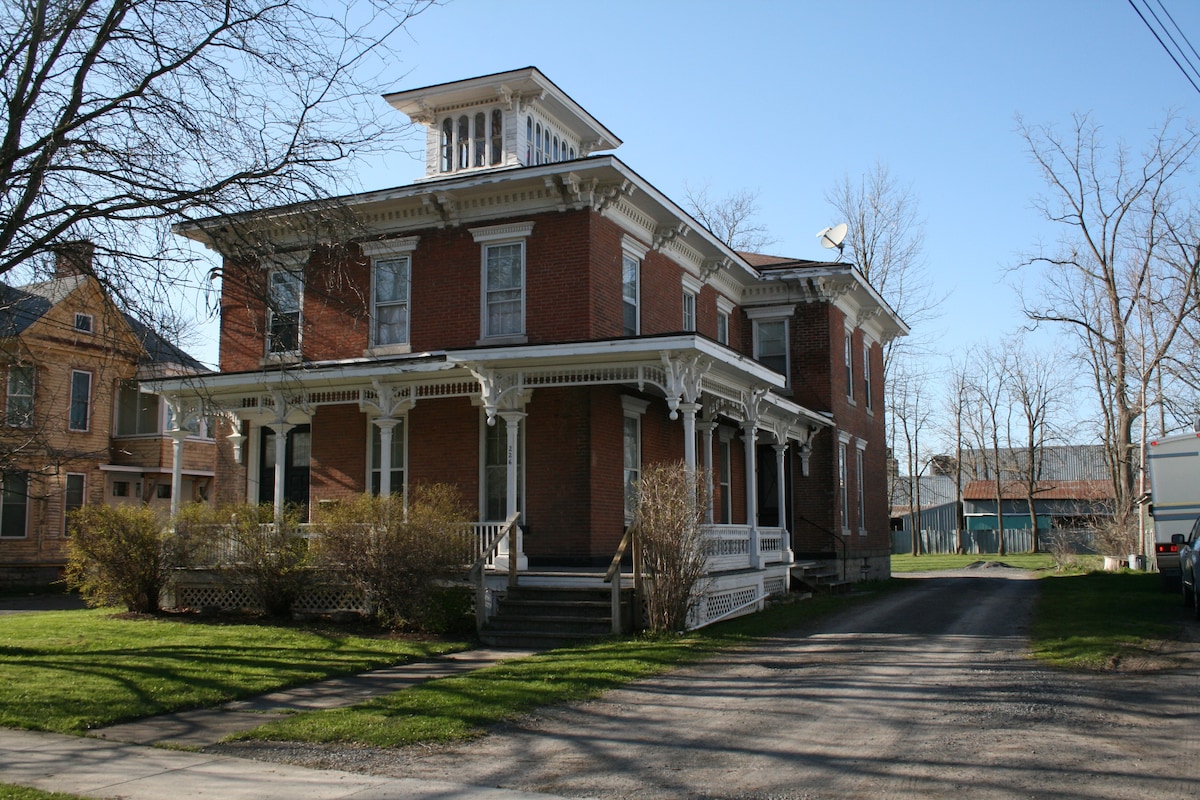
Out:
{"x": 295, "y": 470}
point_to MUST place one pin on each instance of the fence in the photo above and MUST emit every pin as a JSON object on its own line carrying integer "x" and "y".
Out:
{"x": 984, "y": 542}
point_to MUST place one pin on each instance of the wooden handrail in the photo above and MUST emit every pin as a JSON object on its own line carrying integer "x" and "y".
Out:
{"x": 475, "y": 573}
{"x": 613, "y": 576}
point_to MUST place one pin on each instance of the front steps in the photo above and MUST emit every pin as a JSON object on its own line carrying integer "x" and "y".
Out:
{"x": 540, "y": 617}
{"x": 819, "y": 577}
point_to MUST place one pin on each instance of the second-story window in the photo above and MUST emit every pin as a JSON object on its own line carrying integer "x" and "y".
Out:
{"x": 849, "y": 349}
{"x": 689, "y": 311}
{"x": 81, "y": 401}
{"x": 630, "y": 293}
{"x": 18, "y": 411}
{"x": 283, "y": 298}
{"x": 391, "y": 300}
{"x": 770, "y": 344}
{"x": 503, "y": 279}
{"x": 867, "y": 375}
{"x": 137, "y": 411}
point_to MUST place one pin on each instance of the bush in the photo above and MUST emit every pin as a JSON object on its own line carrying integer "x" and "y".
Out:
{"x": 670, "y": 512}
{"x": 400, "y": 559}
{"x": 121, "y": 556}
{"x": 248, "y": 547}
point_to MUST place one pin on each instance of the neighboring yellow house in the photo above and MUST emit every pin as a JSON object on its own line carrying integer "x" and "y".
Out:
{"x": 74, "y": 427}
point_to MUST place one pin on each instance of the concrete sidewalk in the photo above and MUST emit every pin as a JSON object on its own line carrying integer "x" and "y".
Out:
{"x": 104, "y": 769}
{"x": 118, "y": 762}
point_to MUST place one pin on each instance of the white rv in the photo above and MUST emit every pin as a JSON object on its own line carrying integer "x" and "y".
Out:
{"x": 1174, "y": 464}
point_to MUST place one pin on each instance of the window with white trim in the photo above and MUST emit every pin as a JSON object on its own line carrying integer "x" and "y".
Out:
{"x": 285, "y": 289}
{"x": 843, "y": 488}
{"x": 691, "y": 291}
{"x": 867, "y": 375}
{"x": 771, "y": 337}
{"x": 398, "y": 456}
{"x": 849, "y": 352}
{"x": 81, "y": 401}
{"x": 83, "y": 322}
{"x": 495, "y": 469}
{"x": 137, "y": 411}
{"x": 724, "y": 311}
{"x": 724, "y": 471}
{"x": 19, "y": 406}
{"x": 391, "y": 288}
{"x": 862, "y": 497}
{"x": 73, "y": 496}
{"x": 631, "y": 451}
{"x": 503, "y": 280}
{"x": 14, "y": 505}
{"x": 632, "y": 253}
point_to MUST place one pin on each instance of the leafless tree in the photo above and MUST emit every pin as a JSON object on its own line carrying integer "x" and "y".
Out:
{"x": 988, "y": 418}
{"x": 909, "y": 423}
{"x": 121, "y": 116}
{"x": 1123, "y": 277}
{"x": 885, "y": 240}
{"x": 1038, "y": 392}
{"x": 731, "y": 218}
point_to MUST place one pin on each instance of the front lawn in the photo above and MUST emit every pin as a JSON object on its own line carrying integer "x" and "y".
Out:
{"x": 936, "y": 561}
{"x": 70, "y": 671}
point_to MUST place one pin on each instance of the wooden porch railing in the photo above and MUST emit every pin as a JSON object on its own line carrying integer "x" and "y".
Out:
{"x": 628, "y": 542}
{"x": 487, "y": 556}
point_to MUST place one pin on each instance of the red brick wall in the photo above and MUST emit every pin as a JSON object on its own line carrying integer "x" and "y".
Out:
{"x": 558, "y": 473}
{"x": 339, "y": 453}
{"x": 443, "y": 445}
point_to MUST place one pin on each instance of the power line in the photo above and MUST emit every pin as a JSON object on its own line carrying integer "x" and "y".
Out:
{"x": 1182, "y": 54}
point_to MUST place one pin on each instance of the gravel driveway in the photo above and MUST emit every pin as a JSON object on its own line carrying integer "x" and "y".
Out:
{"x": 925, "y": 693}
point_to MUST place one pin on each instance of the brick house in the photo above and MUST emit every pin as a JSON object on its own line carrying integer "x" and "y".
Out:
{"x": 76, "y": 429}
{"x": 533, "y": 322}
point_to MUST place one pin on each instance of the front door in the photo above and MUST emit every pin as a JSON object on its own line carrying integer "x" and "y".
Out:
{"x": 295, "y": 470}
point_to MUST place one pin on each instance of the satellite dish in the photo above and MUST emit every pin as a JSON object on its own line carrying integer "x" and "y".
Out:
{"x": 833, "y": 237}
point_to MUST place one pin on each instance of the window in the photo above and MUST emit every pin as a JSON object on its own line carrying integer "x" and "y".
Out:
{"x": 397, "y": 459}
{"x": 447, "y": 145}
{"x": 81, "y": 400}
{"x": 283, "y": 327}
{"x": 120, "y": 489}
{"x": 137, "y": 412}
{"x": 497, "y": 137}
{"x": 14, "y": 505}
{"x": 73, "y": 496}
{"x": 843, "y": 501}
{"x": 163, "y": 491}
{"x": 495, "y": 469}
{"x": 503, "y": 279}
{"x": 537, "y": 143}
{"x": 19, "y": 410}
{"x": 528, "y": 141}
{"x": 724, "y": 470}
{"x": 862, "y": 504}
{"x": 464, "y": 142}
{"x": 849, "y": 350}
{"x": 867, "y": 375}
{"x": 83, "y": 323}
{"x": 724, "y": 310}
{"x": 770, "y": 344}
{"x": 689, "y": 311}
{"x": 391, "y": 300}
{"x": 631, "y": 450}
{"x": 629, "y": 295}
{"x": 480, "y": 139}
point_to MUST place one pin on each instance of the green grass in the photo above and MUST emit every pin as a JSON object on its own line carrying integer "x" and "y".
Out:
{"x": 929, "y": 563}
{"x": 70, "y": 671}
{"x": 465, "y": 706}
{"x": 10, "y": 792}
{"x": 1102, "y": 620}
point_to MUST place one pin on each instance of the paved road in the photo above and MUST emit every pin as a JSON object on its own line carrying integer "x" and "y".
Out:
{"x": 927, "y": 694}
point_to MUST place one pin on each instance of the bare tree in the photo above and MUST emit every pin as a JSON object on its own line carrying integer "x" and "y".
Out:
{"x": 909, "y": 422}
{"x": 1123, "y": 277}
{"x": 124, "y": 115}
{"x": 730, "y": 218}
{"x": 885, "y": 241}
{"x": 1038, "y": 392}
{"x": 988, "y": 418}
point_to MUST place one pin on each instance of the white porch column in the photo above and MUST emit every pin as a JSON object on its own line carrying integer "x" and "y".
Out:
{"x": 281, "y": 430}
{"x": 780, "y": 452}
{"x": 386, "y": 425}
{"x": 706, "y": 428}
{"x": 512, "y": 430}
{"x": 750, "y": 436}
{"x": 178, "y": 436}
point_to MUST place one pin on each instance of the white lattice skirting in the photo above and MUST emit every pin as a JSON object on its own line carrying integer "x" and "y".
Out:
{"x": 314, "y": 600}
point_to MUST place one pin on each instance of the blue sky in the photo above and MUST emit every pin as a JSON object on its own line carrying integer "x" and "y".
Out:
{"x": 785, "y": 98}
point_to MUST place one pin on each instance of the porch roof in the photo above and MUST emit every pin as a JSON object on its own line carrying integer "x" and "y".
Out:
{"x": 679, "y": 367}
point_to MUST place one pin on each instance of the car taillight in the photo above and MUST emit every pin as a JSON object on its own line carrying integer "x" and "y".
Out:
{"x": 1168, "y": 548}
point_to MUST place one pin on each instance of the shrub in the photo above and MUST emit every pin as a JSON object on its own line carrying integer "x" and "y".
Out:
{"x": 670, "y": 511}
{"x": 247, "y": 547}
{"x": 120, "y": 556}
{"x": 400, "y": 558}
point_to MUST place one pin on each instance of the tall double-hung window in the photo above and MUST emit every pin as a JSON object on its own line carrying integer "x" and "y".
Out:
{"x": 19, "y": 407}
{"x": 14, "y": 500}
{"x": 503, "y": 280}
{"x": 771, "y": 337}
{"x": 80, "y": 412}
{"x": 396, "y": 459}
{"x": 631, "y": 448}
{"x": 137, "y": 411}
{"x": 691, "y": 294}
{"x": 391, "y": 292}
{"x": 632, "y": 253}
{"x": 285, "y": 293}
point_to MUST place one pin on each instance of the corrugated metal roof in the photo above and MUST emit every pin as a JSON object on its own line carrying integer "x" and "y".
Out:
{"x": 1046, "y": 490}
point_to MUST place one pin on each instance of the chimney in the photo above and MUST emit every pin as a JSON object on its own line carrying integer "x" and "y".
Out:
{"x": 73, "y": 258}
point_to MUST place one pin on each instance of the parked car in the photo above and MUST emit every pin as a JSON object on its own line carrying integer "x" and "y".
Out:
{"x": 1189, "y": 565}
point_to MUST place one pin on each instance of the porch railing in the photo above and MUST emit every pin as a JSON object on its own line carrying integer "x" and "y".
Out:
{"x": 489, "y": 535}
{"x": 732, "y": 547}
